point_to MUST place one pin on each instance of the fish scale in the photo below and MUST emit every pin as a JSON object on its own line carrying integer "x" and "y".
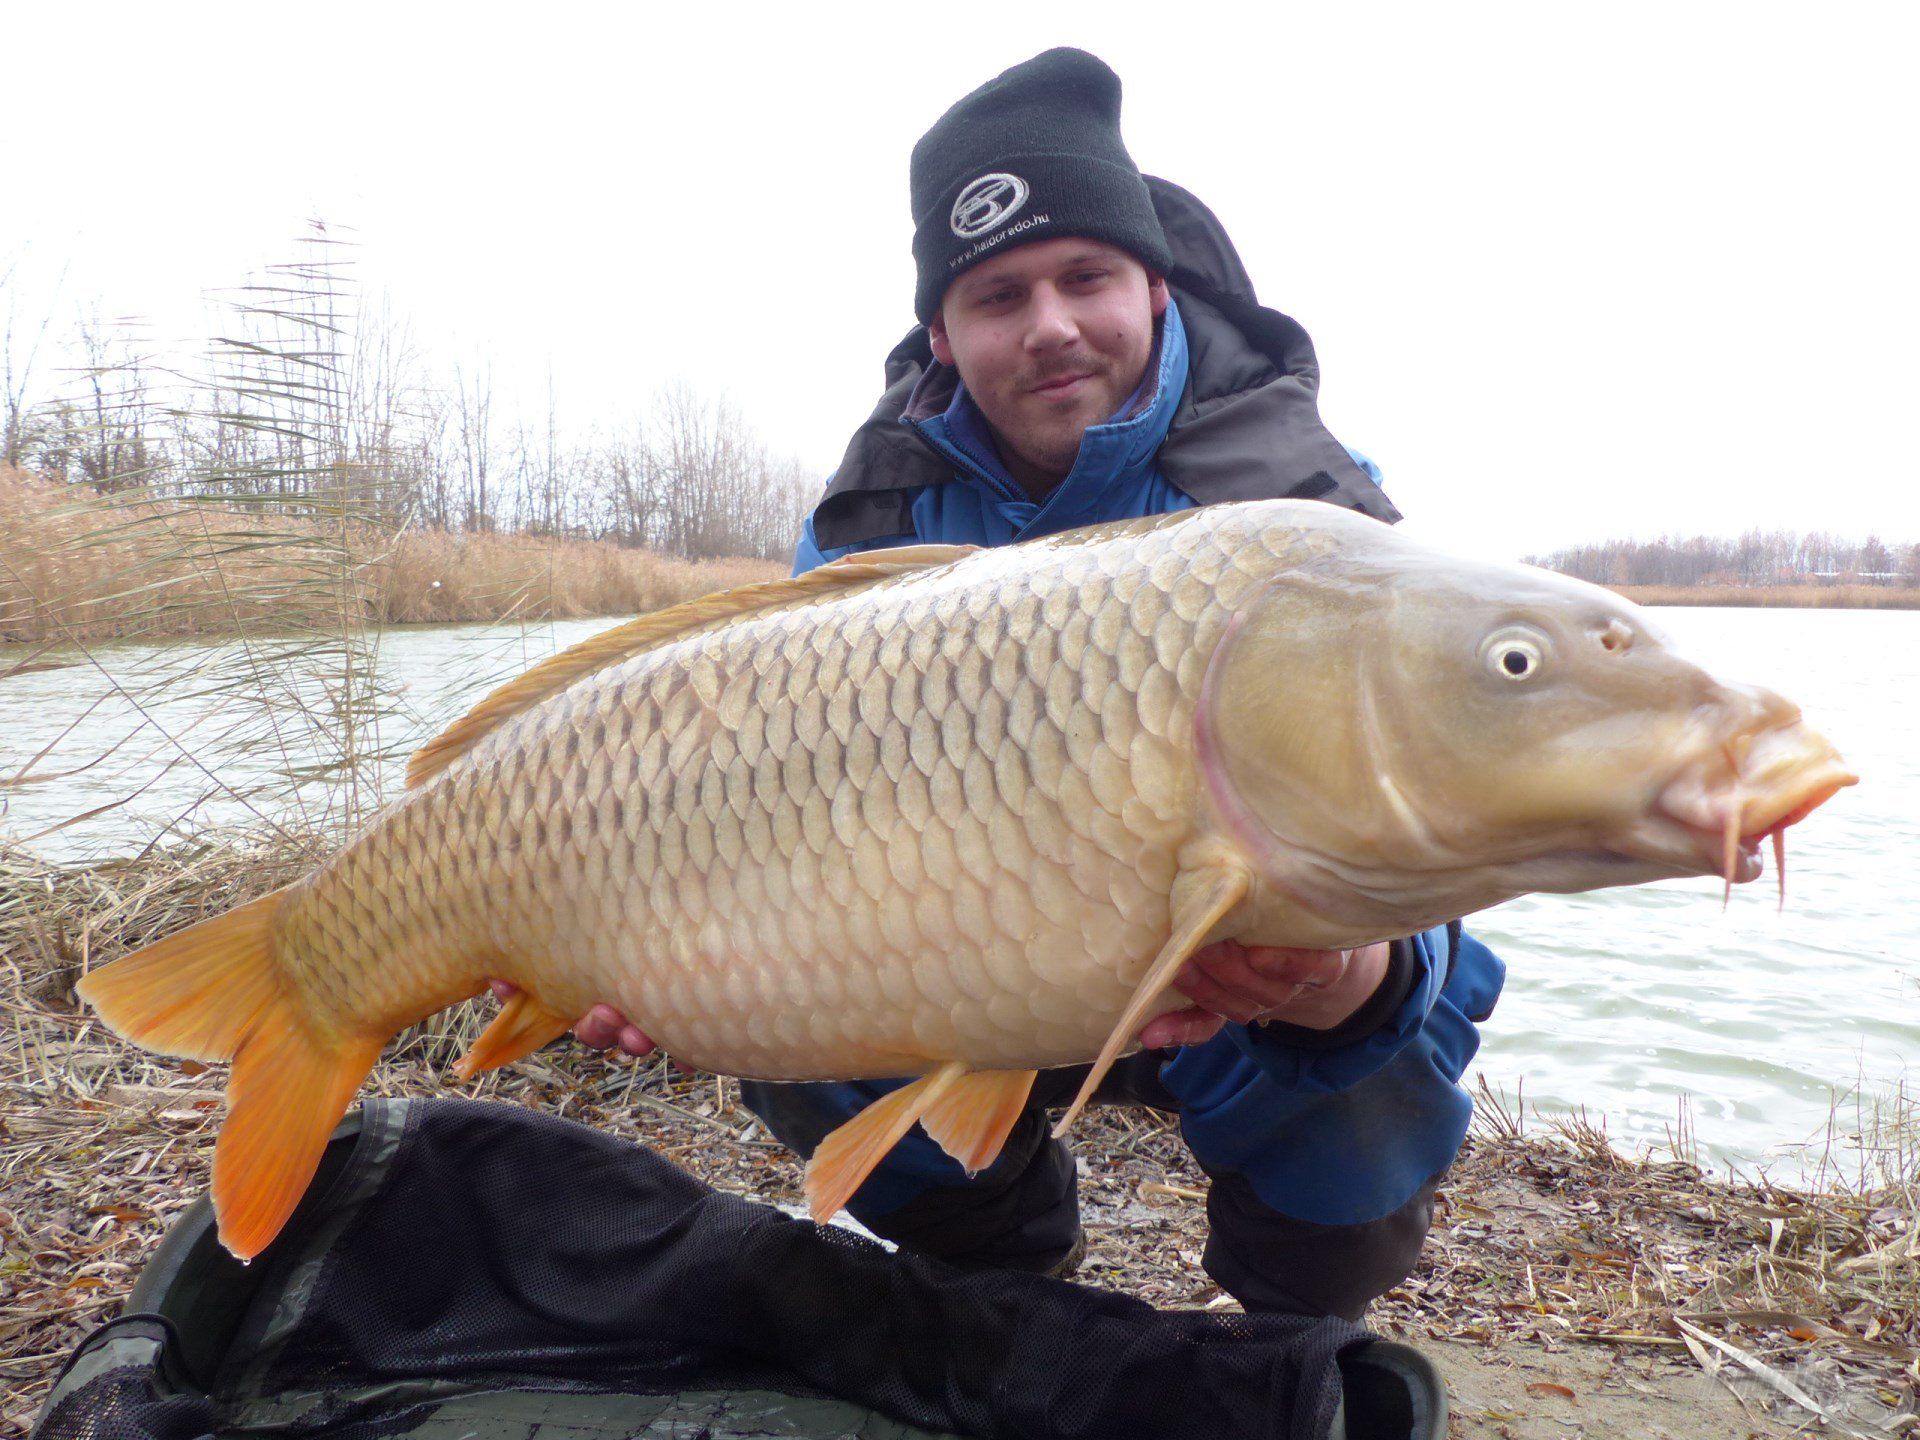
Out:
{"x": 963, "y": 816}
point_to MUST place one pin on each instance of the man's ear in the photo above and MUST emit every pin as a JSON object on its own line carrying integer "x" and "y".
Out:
{"x": 1157, "y": 293}
{"x": 937, "y": 334}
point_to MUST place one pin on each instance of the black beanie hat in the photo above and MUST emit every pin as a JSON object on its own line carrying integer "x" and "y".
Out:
{"x": 1033, "y": 154}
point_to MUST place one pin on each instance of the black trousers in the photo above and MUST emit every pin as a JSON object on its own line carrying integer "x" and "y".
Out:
{"x": 1024, "y": 1213}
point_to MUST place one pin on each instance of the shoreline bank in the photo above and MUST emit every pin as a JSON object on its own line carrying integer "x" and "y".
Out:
{"x": 1783, "y": 597}
{"x": 1563, "y": 1282}
{"x": 77, "y": 566}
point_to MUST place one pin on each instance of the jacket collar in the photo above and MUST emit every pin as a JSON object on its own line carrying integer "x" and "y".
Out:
{"x": 1116, "y": 454}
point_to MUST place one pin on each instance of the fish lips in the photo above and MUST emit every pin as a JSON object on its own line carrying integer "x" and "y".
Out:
{"x": 1711, "y": 818}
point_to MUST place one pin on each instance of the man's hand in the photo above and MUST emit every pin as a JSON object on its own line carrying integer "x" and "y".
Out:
{"x": 1245, "y": 983}
{"x": 602, "y": 1027}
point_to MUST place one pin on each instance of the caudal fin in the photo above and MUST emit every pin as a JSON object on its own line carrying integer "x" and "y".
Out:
{"x": 214, "y": 992}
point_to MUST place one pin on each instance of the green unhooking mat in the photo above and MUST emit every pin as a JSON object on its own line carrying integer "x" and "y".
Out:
{"x": 466, "y": 1271}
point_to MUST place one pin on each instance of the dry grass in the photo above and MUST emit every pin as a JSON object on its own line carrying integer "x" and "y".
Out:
{"x": 75, "y": 565}
{"x": 1543, "y": 1240}
{"x": 1792, "y": 597}
{"x": 437, "y": 577}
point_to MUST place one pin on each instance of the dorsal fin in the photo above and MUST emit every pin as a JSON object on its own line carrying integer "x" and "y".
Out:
{"x": 610, "y": 647}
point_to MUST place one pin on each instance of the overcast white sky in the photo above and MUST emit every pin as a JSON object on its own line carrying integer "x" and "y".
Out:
{"x": 1572, "y": 271}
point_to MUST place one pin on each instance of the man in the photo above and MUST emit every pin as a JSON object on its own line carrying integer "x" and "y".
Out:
{"x": 1071, "y": 372}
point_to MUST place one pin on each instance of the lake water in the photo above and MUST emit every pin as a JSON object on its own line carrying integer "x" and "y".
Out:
{"x": 1639, "y": 1006}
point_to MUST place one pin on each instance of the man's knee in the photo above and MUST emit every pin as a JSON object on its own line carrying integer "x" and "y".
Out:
{"x": 798, "y": 1116}
{"x": 1021, "y": 1213}
{"x": 1271, "y": 1262}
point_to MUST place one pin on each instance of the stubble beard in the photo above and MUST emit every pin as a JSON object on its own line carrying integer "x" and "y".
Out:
{"x": 1051, "y": 443}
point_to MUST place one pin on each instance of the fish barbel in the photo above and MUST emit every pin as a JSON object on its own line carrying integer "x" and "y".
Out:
{"x": 963, "y": 814}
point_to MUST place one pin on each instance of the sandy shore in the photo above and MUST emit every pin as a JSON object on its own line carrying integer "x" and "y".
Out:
{"x": 1551, "y": 1291}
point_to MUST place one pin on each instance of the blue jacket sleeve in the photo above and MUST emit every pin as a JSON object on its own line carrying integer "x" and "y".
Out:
{"x": 807, "y": 554}
{"x": 1373, "y": 470}
{"x": 1465, "y": 975}
{"x": 1344, "y": 1136}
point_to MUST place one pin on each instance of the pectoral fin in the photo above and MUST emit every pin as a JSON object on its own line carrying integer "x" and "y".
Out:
{"x": 1200, "y": 899}
{"x": 522, "y": 1027}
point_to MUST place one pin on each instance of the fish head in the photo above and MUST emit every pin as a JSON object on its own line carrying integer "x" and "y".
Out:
{"x": 1428, "y": 736}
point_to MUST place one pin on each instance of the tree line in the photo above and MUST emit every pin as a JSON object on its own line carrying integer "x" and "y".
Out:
{"x": 1757, "y": 558}
{"x": 312, "y": 396}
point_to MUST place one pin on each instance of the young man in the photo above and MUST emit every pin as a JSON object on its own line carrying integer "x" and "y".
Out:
{"x": 1070, "y": 372}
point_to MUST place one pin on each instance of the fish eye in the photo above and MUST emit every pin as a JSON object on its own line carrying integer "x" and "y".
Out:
{"x": 1515, "y": 654}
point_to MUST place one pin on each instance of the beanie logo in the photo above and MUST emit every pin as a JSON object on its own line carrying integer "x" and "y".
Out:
{"x": 986, "y": 203}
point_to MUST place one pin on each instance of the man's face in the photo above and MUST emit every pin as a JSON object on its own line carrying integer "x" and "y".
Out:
{"x": 1050, "y": 338}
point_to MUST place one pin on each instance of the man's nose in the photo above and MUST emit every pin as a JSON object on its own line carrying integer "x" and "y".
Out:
{"x": 1050, "y": 320}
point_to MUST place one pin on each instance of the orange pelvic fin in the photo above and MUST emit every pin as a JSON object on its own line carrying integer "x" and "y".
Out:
{"x": 522, "y": 1027}
{"x": 1201, "y": 900}
{"x": 972, "y": 1120}
{"x": 848, "y": 1155}
{"x": 214, "y": 992}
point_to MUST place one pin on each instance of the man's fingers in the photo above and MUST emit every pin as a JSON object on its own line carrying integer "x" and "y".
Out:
{"x": 1296, "y": 967}
{"x": 1200, "y": 986}
{"x": 636, "y": 1041}
{"x": 1191, "y": 1026}
{"x": 600, "y": 1027}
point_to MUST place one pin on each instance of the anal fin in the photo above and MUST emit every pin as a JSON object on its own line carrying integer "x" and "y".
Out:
{"x": 1201, "y": 899}
{"x": 972, "y": 1120}
{"x": 522, "y": 1027}
{"x": 847, "y": 1156}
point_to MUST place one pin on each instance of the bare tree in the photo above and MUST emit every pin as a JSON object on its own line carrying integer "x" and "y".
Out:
{"x": 17, "y": 358}
{"x": 102, "y": 430}
{"x": 473, "y": 420}
{"x": 319, "y": 399}
{"x": 1776, "y": 557}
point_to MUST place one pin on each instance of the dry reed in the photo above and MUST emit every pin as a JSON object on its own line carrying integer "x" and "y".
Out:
{"x": 1541, "y": 1240}
{"x": 79, "y": 566}
{"x": 438, "y": 577}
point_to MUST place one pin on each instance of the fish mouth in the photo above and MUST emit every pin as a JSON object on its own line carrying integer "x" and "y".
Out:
{"x": 1713, "y": 817}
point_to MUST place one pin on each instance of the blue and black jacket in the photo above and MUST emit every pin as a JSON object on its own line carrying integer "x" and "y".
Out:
{"x": 1338, "y": 1129}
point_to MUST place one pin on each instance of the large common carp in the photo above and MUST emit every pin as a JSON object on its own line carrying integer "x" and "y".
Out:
{"x": 961, "y": 815}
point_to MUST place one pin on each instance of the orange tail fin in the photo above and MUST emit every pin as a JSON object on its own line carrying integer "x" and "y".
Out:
{"x": 214, "y": 992}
